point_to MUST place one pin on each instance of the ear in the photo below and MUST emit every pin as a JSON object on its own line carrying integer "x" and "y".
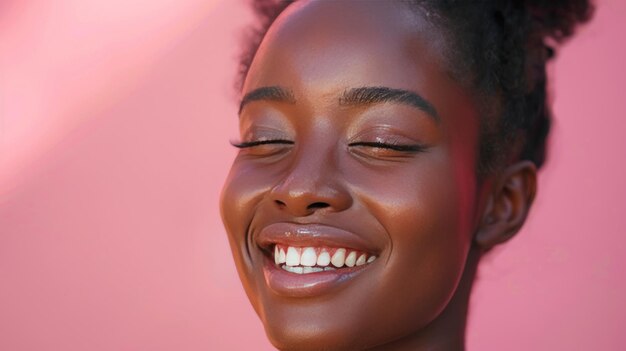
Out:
{"x": 508, "y": 204}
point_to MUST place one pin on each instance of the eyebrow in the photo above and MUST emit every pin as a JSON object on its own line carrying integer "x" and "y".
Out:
{"x": 273, "y": 93}
{"x": 375, "y": 95}
{"x": 351, "y": 97}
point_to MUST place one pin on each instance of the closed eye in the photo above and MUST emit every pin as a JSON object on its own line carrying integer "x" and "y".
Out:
{"x": 411, "y": 148}
{"x": 249, "y": 144}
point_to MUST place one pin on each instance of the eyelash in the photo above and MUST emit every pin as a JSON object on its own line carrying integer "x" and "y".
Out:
{"x": 249, "y": 144}
{"x": 396, "y": 147}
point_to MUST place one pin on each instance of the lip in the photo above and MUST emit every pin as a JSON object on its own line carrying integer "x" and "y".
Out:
{"x": 309, "y": 235}
{"x": 307, "y": 285}
{"x": 315, "y": 235}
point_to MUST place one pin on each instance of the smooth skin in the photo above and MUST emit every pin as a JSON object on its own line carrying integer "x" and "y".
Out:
{"x": 400, "y": 172}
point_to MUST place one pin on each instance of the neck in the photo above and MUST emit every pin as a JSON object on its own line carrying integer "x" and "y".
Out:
{"x": 447, "y": 331}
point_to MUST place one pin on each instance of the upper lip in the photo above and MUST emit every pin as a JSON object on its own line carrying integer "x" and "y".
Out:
{"x": 315, "y": 235}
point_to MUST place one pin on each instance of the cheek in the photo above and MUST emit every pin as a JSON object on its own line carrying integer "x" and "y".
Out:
{"x": 233, "y": 202}
{"x": 423, "y": 211}
{"x": 242, "y": 191}
{"x": 240, "y": 196}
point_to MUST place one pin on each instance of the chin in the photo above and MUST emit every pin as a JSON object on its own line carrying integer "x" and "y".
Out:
{"x": 306, "y": 334}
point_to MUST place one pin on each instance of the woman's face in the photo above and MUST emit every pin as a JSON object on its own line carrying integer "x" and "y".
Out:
{"x": 355, "y": 139}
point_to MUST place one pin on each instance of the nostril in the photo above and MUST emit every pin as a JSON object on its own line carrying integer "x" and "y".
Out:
{"x": 299, "y": 209}
{"x": 317, "y": 205}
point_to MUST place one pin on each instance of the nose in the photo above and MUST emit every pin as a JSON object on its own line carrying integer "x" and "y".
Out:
{"x": 312, "y": 184}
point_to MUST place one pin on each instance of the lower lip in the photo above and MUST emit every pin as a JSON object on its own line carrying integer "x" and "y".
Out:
{"x": 307, "y": 285}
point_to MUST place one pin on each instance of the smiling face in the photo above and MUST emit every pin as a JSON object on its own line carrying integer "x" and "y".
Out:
{"x": 352, "y": 203}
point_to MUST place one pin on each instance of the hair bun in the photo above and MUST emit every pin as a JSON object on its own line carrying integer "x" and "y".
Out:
{"x": 557, "y": 19}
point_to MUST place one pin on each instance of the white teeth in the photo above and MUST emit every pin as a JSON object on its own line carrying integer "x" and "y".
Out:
{"x": 339, "y": 258}
{"x": 361, "y": 260}
{"x": 309, "y": 257}
{"x": 351, "y": 259}
{"x": 323, "y": 259}
{"x": 298, "y": 270}
{"x": 293, "y": 256}
{"x": 306, "y": 260}
{"x": 306, "y": 270}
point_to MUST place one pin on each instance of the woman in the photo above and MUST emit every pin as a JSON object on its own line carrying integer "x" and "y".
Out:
{"x": 386, "y": 146}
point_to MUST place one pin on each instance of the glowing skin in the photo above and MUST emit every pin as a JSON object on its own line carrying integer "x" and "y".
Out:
{"x": 323, "y": 182}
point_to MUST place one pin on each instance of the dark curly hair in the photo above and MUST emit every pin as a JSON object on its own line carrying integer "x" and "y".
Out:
{"x": 500, "y": 49}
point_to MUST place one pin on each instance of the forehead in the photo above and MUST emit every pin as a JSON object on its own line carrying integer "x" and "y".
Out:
{"x": 355, "y": 42}
{"x": 320, "y": 49}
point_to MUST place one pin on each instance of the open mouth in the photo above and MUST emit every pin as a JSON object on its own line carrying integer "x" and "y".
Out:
{"x": 306, "y": 260}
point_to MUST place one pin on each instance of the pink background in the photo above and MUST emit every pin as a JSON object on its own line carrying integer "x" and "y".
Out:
{"x": 115, "y": 118}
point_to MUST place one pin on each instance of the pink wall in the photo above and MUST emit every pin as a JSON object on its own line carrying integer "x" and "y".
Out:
{"x": 114, "y": 127}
